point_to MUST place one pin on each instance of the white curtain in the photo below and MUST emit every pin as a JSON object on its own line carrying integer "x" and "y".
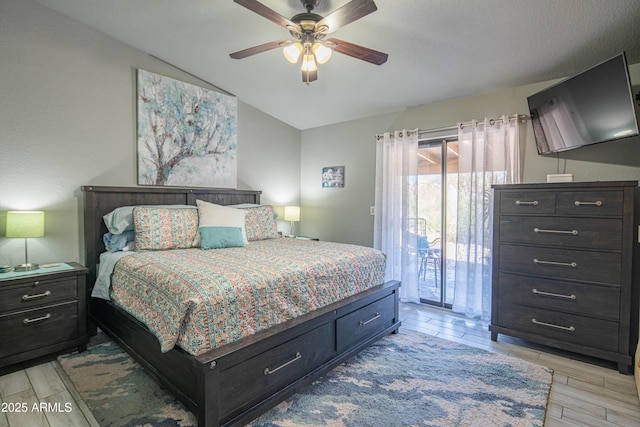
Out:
{"x": 395, "y": 202}
{"x": 489, "y": 153}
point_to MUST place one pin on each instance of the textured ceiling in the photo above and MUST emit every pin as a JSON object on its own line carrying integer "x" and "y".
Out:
{"x": 438, "y": 49}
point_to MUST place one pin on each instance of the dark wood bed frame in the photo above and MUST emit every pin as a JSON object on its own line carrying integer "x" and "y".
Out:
{"x": 236, "y": 383}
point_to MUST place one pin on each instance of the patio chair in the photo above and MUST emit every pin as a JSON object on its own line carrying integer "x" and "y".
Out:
{"x": 418, "y": 226}
{"x": 434, "y": 253}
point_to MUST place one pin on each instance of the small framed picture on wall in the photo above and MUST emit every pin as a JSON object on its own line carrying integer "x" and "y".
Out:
{"x": 333, "y": 177}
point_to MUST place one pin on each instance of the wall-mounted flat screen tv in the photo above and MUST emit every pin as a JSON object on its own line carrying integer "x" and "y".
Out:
{"x": 591, "y": 107}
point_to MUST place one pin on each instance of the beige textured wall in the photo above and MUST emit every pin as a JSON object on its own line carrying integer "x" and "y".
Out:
{"x": 340, "y": 214}
{"x": 344, "y": 216}
{"x": 67, "y": 118}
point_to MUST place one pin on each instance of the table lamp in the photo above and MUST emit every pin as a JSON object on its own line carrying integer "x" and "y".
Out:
{"x": 292, "y": 214}
{"x": 25, "y": 224}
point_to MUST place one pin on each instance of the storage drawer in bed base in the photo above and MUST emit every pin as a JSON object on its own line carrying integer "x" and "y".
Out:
{"x": 198, "y": 380}
{"x": 376, "y": 316}
{"x": 262, "y": 375}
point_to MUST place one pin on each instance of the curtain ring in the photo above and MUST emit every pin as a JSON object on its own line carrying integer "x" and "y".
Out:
{"x": 492, "y": 122}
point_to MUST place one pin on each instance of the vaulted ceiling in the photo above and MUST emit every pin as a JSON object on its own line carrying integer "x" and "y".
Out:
{"x": 438, "y": 49}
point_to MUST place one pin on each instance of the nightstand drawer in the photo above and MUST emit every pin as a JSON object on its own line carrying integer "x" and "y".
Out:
{"x": 32, "y": 329}
{"x": 37, "y": 293}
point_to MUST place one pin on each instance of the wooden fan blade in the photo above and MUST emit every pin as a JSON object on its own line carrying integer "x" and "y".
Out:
{"x": 265, "y": 12}
{"x": 348, "y": 13}
{"x": 359, "y": 52}
{"x": 258, "y": 49}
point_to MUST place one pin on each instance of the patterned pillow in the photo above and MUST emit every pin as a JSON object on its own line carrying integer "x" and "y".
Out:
{"x": 164, "y": 228}
{"x": 260, "y": 223}
{"x": 120, "y": 219}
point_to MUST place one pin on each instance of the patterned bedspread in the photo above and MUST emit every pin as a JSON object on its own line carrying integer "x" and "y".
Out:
{"x": 202, "y": 300}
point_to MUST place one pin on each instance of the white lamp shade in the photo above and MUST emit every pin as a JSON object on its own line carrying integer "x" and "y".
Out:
{"x": 25, "y": 224}
{"x": 308, "y": 63}
{"x": 292, "y": 52}
{"x": 322, "y": 53}
{"x": 292, "y": 213}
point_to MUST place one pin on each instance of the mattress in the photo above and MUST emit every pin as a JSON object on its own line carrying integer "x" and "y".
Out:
{"x": 201, "y": 300}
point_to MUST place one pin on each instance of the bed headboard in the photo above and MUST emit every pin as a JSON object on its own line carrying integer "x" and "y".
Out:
{"x": 99, "y": 201}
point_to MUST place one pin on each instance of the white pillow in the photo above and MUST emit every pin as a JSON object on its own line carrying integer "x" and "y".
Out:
{"x": 212, "y": 215}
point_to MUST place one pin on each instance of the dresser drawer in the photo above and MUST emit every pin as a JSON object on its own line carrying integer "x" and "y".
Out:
{"x": 527, "y": 202}
{"x": 31, "y": 329}
{"x": 570, "y": 328}
{"x": 598, "y": 267}
{"x": 569, "y": 297}
{"x": 354, "y": 326}
{"x": 37, "y": 293}
{"x": 261, "y": 375}
{"x": 587, "y": 233}
{"x": 591, "y": 203}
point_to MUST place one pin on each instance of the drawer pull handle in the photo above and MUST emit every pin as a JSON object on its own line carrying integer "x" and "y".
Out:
{"x": 533, "y": 203}
{"x": 36, "y": 296}
{"x": 563, "y": 264}
{"x": 362, "y": 323}
{"x": 541, "y": 230}
{"x": 596, "y": 203}
{"x": 551, "y": 325}
{"x": 37, "y": 319}
{"x": 549, "y": 294}
{"x": 268, "y": 371}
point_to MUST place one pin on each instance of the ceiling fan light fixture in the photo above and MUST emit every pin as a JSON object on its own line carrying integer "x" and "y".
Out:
{"x": 321, "y": 52}
{"x": 309, "y": 76}
{"x": 308, "y": 30}
{"x": 292, "y": 52}
{"x": 309, "y": 63}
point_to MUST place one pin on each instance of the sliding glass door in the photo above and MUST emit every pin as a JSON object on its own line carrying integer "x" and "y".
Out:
{"x": 437, "y": 186}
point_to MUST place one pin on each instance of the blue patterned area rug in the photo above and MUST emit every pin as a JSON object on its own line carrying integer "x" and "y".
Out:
{"x": 408, "y": 379}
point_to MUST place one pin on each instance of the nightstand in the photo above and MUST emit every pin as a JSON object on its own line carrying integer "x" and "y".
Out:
{"x": 42, "y": 312}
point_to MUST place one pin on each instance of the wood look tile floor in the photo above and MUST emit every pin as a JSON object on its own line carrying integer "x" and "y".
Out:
{"x": 582, "y": 394}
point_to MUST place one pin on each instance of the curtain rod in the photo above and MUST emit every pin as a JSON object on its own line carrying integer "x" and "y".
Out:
{"x": 422, "y": 132}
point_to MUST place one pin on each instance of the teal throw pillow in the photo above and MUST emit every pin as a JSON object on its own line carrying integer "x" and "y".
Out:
{"x": 220, "y": 237}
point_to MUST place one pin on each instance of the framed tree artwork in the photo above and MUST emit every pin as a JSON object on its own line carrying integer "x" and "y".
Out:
{"x": 186, "y": 134}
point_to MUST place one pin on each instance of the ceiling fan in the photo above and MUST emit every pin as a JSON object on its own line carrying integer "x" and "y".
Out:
{"x": 309, "y": 31}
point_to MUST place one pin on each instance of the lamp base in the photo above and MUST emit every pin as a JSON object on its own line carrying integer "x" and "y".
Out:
{"x": 29, "y": 266}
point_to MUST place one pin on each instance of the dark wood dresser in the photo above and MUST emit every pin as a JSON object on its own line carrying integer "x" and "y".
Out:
{"x": 562, "y": 271}
{"x": 42, "y": 313}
